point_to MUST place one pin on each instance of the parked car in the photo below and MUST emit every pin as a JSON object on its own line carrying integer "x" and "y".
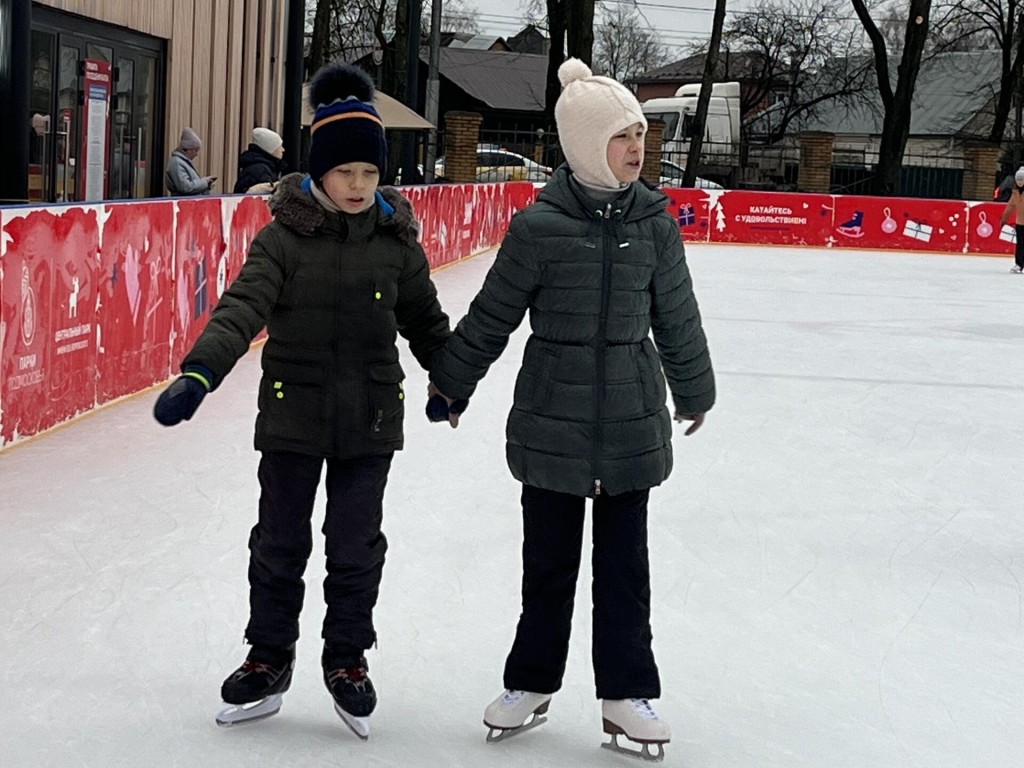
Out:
{"x": 496, "y": 164}
{"x": 672, "y": 176}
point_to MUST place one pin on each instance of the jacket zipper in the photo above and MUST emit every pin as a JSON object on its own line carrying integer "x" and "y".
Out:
{"x": 599, "y": 352}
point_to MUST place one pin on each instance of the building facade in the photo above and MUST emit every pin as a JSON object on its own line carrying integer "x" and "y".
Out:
{"x": 113, "y": 82}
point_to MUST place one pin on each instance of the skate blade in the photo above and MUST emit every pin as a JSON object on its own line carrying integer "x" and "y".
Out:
{"x": 507, "y": 733}
{"x": 247, "y": 713}
{"x": 644, "y": 753}
{"x": 360, "y": 726}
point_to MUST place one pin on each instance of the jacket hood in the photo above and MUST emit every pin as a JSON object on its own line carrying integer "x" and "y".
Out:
{"x": 639, "y": 201}
{"x": 294, "y": 206}
{"x": 254, "y": 155}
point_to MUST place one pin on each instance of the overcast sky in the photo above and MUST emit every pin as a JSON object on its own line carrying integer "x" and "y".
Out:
{"x": 677, "y": 22}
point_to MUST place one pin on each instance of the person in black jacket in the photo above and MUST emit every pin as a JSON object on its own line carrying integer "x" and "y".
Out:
{"x": 261, "y": 165}
{"x": 599, "y": 265}
{"x": 334, "y": 278}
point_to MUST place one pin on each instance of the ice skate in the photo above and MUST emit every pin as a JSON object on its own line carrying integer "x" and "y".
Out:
{"x": 255, "y": 689}
{"x": 352, "y": 691}
{"x": 637, "y": 721}
{"x": 514, "y": 712}
{"x": 1015, "y": 269}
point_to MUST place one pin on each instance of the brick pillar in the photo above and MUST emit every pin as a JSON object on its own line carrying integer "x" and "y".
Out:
{"x": 652, "y": 151}
{"x": 461, "y": 135}
{"x": 815, "y": 161}
{"x": 981, "y": 161}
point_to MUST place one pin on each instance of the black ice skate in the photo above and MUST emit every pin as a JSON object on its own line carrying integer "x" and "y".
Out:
{"x": 254, "y": 690}
{"x": 353, "y": 693}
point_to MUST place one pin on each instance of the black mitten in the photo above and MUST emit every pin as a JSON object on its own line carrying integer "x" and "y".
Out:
{"x": 438, "y": 408}
{"x": 179, "y": 401}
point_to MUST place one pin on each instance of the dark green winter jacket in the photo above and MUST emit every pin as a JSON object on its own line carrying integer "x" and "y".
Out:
{"x": 333, "y": 290}
{"x": 589, "y": 412}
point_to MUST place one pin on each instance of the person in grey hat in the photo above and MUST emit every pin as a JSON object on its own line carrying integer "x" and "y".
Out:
{"x": 599, "y": 264}
{"x": 181, "y": 176}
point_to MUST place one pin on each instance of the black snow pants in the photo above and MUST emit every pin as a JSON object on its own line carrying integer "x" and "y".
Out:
{"x": 1018, "y": 255}
{"x": 621, "y": 645}
{"x": 281, "y": 543}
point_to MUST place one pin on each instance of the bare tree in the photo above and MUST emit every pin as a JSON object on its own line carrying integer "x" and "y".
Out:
{"x": 992, "y": 24}
{"x": 579, "y": 29}
{"x": 348, "y": 29}
{"x": 797, "y": 55}
{"x": 622, "y": 47}
{"x": 897, "y": 104}
{"x": 700, "y": 117}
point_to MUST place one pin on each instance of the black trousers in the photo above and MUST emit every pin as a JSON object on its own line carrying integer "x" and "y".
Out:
{"x": 281, "y": 543}
{"x": 1018, "y": 255}
{"x": 621, "y": 646}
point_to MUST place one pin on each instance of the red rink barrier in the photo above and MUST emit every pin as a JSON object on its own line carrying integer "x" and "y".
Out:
{"x": 102, "y": 301}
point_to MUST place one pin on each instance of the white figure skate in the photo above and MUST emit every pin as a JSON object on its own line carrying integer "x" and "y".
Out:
{"x": 514, "y": 712}
{"x": 637, "y": 721}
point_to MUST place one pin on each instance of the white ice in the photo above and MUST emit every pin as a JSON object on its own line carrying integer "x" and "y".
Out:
{"x": 837, "y": 560}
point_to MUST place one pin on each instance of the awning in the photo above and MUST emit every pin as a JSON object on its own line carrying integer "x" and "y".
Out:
{"x": 393, "y": 112}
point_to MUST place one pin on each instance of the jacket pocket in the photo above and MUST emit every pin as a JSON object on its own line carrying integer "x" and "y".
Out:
{"x": 387, "y": 401}
{"x": 291, "y": 412}
{"x": 652, "y": 379}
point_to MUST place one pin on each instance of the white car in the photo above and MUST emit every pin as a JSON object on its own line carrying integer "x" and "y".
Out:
{"x": 495, "y": 164}
{"x": 672, "y": 176}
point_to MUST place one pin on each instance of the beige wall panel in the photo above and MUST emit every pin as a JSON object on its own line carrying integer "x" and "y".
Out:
{"x": 221, "y": 123}
{"x": 264, "y": 109}
{"x": 248, "y": 63}
{"x": 199, "y": 86}
{"x": 179, "y": 74}
{"x": 153, "y": 17}
{"x": 237, "y": 137}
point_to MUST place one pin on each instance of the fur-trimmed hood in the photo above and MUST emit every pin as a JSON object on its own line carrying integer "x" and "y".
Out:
{"x": 294, "y": 206}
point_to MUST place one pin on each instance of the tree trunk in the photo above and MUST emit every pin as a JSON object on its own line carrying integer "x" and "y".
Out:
{"x": 898, "y": 103}
{"x": 556, "y": 55}
{"x": 396, "y": 65}
{"x": 1009, "y": 82}
{"x": 700, "y": 119}
{"x": 321, "y": 34}
{"x": 579, "y": 23}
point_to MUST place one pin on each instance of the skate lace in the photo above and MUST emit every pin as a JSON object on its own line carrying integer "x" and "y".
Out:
{"x": 511, "y": 697}
{"x": 644, "y": 709}
{"x": 353, "y": 674}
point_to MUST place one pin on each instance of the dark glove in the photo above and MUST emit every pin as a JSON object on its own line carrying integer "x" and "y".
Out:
{"x": 438, "y": 408}
{"x": 179, "y": 401}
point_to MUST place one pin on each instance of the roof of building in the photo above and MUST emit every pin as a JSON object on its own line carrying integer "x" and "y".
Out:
{"x": 392, "y": 112}
{"x": 953, "y": 96}
{"x": 731, "y": 66}
{"x": 499, "y": 79}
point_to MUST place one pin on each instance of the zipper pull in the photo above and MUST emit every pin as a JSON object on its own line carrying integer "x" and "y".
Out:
{"x": 597, "y": 487}
{"x": 608, "y": 211}
{"x": 378, "y": 420}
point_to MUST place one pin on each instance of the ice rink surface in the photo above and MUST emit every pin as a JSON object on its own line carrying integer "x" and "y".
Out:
{"x": 836, "y": 561}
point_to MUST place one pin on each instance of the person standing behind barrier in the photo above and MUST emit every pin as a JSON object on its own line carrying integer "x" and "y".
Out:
{"x": 1015, "y": 207}
{"x": 181, "y": 176}
{"x": 261, "y": 165}
{"x": 598, "y": 263}
{"x": 334, "y": 278}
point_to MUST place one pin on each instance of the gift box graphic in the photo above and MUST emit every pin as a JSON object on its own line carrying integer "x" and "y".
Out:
{"x": 687, "y": 215}
{"x": 918, "y": 230}
{"x": 1008, "y": 233}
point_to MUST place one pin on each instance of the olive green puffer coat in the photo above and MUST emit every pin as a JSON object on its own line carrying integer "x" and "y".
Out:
{"x": 589, "y": 413}
{"x": 333, "y": 291}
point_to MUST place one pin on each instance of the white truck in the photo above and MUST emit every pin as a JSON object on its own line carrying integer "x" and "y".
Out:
{"x": 721, "y": 133}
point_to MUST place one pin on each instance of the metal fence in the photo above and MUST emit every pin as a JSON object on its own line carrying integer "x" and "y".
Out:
{"x": 514, "y": 153}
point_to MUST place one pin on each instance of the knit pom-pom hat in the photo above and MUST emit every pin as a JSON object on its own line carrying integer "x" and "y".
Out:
{"x": 590, "y": 110}
{"x": 346, "y": 128}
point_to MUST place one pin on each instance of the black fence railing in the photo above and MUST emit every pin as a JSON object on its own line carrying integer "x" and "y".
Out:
{"x": 528, "y": 154}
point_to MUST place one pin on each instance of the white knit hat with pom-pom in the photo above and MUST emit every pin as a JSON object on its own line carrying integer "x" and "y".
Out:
{"x": 590, "y": 110}
{"x": 1019, "y": 175}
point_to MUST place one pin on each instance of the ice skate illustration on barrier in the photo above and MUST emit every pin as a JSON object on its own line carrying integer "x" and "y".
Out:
{"x": 853, "y": 228}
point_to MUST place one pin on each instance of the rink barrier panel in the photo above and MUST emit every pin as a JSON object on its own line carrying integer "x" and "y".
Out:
{"x": 101, "y": 301}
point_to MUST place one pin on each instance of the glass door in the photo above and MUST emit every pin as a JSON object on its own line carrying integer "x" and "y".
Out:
{"x": 41, "y": 123}
{"x": 67, "y": 127}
